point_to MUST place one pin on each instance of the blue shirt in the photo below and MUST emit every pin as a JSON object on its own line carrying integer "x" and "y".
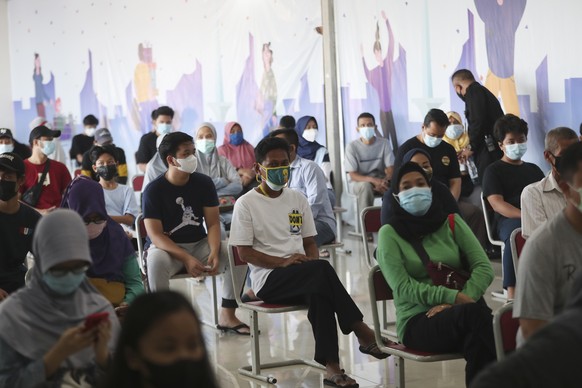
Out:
{"x": 308, "y": 178}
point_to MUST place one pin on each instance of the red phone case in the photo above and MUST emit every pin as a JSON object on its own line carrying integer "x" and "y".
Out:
{"x": 95, "y": 319}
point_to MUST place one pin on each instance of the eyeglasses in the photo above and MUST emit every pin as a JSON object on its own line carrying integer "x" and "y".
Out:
{"x": 96, "y": 222}
{"x": 59, "y": 273}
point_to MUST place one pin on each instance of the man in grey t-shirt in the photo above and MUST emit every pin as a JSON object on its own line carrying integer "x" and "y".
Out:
{"x": 552, "y": 256}
{"x": 369, "y": 162}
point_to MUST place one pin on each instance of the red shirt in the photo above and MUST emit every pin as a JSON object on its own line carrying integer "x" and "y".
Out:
{"x": 55, "y": 183}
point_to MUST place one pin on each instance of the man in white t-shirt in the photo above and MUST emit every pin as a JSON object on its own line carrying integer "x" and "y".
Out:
{"x": 273, "y": 229}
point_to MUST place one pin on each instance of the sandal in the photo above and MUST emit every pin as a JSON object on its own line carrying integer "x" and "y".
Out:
{"x": 374, "y": 351}
{"x": 235, "y": 329}
{"x": 324, "y": 253}
{"x": 340, "y": 377}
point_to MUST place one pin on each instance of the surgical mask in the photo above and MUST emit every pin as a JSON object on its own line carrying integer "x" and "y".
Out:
{"x": 188, "y": 164}
{"x": 94, "y": 230}
{"x": 432, "y": 141}
{"x": 236, "y": 138}
{"x": 310, "y": 134}
{"x": 7, "y": 190}
{"x": 6, "y": 148}
{"x": 107, "y": 172}
{"x": 515, "y": 151}
{"x": 90, "y": 131}
{"x": 416, "y": 200}
{"x": 164, "y": 128}
{"x": 65, "y": 284}
{"x": 48, "y": 147}
{"x": 205, "y": 146}
{"x": 367, "y": 133}
{"x": 181, "y": 373}
{"x": 277, "y": 177}
{"x": 454, "y": 131}
{"x": 428, "y": 172}
{"x": 579, "y": 191}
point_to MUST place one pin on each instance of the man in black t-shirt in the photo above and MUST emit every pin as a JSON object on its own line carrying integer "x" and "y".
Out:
{"x": 83, "y": 141}
{"x": 162, "y": 120}
{"x": 175, "y": 207}
{"x": 503, "y": 182}
{"x": 17, "y": 223}
{"x": 9, "y": 144}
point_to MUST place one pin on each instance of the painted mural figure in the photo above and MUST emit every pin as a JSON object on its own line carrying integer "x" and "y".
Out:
{"x": 501, "y": 20}
{"x": 380, "y": 77}
{"x": 267, "y": 98}
{"x": 144, "y": 82}
{"x": 40, "y": 95}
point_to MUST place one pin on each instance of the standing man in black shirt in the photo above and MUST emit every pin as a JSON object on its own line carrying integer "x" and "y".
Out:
{"x": 17, "y": 223}
{"x": 482, "y": 109}
{"x": 162, "y": 120}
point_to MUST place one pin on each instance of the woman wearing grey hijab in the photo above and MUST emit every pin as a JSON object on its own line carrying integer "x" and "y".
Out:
{"x": 43, "y": 341}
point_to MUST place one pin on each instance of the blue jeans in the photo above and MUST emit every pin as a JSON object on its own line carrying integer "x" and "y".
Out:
{"x": 325, "y": 234}
{"x": 505, "y": 226}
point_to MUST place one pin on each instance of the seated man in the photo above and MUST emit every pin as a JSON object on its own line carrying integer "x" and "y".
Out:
{"x": 552, "y": 257}
{"x": 369, "y": 162}
{"x": 175, "y": 206}
{"x": 445, "y": 166}
{"x": 57, "y": 176}
{"x": 103, "y": 138}
{"x": 273, "y": 230}
{"x": 503, "y": 182}
{"x": 9, "y": 144}
{"x": 120, "y": 201}
{"x": 83, "y": 141}
{"x": 162, "y": 121}
{"x": 309, "y": 179}
{"x": 17, "y": 224}
{"x": 542, "y": 200}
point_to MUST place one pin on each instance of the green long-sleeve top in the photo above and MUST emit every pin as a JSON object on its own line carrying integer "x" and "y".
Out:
{"x": 413, "y": 290}
{"x": 132, "y": 279}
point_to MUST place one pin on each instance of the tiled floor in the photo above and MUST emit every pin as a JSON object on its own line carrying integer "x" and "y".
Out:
{"x": 289, "y": 335}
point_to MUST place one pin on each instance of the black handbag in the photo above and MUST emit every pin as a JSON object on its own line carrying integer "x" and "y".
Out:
{"x": 32, "y": 195}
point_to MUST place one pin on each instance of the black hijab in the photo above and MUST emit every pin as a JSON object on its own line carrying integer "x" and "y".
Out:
{"x": 411, "y": 227}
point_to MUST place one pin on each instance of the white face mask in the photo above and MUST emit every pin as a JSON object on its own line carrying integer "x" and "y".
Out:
{"x": 90, "y": 131}
{"x": 164, "y": 128}
{"x": 6, "y": 148}
{"x": 206, "y": 146}
{"x": 367, "y": 133}
{"x": 188, "y": 164}
{"x": 454, "y": 131}
{"x": 310, "y": 134}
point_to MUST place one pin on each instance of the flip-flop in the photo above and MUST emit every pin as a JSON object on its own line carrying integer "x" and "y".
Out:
{"x": 373, "y": 350}
{"x": 235, "y": 329}
{"x": 332, "y": 381}
{"x": 324, "y": 253}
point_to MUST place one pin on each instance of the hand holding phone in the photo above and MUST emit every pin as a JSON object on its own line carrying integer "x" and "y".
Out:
{"x": 94, "y": 320}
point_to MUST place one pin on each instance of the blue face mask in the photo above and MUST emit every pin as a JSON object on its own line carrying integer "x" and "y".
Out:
{"x": 515, "y": 151}
{"x": 6, "y": 148}
{"x": 367, "y": 133}
{"x": 164, "y": 128}
{"x": 432, "y": 141}
{"x": 48, "y": 147}
{"x": 454, "y": 131}
{"x": 236, "y": 138}
{"x": 65, "y": 284}
{"x": 416, "y": 200}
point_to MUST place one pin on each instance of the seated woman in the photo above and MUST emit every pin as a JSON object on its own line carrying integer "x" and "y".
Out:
{"x": 431, "y": 317}
{"x": 161, "y": 333}
{"x": 43, "y": 339}
{"x": 115, "y": 271}
{"x": 441, "y": 193}
{"x": 225, "y": 178}
{"x": 240, "y": 153}
{"x": 310, "y": 149}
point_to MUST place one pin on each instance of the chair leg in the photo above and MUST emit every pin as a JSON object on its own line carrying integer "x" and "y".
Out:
{"x": 214, "y": 302}
{"x": 255, "y": 351}
{"x": 399, "y": 379}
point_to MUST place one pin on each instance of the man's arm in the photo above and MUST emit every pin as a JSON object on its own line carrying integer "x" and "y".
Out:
{"x": 501, "y": 207}
{"x": 162, "y": 241}
{"x": 211, "y": 217}
{"x": 476, "y": 106}
{"x": 310, "y": 248}
{"x": 530, "y": 326}
{"x": 455, "y": 187}
{"x": 259, "y": 259}
{"x": 126, "y": 219}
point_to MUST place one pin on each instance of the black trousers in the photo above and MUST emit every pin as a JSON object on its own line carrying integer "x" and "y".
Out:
{"x": 465, "y": 329}
{"x": 315, "y": 283}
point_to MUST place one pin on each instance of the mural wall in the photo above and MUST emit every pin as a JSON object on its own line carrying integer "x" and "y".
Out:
{"x": 253, "y": 61}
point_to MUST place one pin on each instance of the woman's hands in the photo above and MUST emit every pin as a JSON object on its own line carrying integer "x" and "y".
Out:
{"x": 460, "y": 299}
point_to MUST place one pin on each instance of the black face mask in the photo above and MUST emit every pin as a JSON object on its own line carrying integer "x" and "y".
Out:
{"x": 107, "y": 172}
{"x": 7, "y": 190}
{"x": 461, "y": 96}
{"x": 182, "y": 373}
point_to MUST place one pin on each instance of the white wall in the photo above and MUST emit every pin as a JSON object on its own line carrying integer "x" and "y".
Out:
{"x": 6, "y": 112}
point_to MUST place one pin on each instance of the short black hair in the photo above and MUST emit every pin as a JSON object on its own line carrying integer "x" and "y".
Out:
{"x": 289, "y": 134}
{"x": 509, "y": 123}
{"x": 163, "y": 111}
{"x": 96, "y": 151}
{"x": 267, "y": 145}
{"x": 463, "y": 74}
{"x": 90, "y": 120}
{"x": 438, "y": 116}
{"x": 571, "y": 162}
{"x": 171, "y": 143}
{"x": 366, "y": 115}
{"x": 287, "y": 122}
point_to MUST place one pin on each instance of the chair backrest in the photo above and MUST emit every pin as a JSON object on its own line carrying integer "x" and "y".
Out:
{"x": 235, "y": 260}
{"x": 371, "y": 223}
{"x": 517, "y": 242}
{"x": 137, "y": 182}
{"x": 140, "y": 235}
{"x": 379, "y": 291}
{"x": 488, "y": 214}
{"x": 77, "y": 172}
{"x": 505, "y": 329}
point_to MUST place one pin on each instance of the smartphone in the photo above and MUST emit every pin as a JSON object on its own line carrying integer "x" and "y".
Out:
{"x": 95, "y": 319}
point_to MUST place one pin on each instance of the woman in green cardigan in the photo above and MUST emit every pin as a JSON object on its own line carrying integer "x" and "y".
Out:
{"x": 428, "y": 317}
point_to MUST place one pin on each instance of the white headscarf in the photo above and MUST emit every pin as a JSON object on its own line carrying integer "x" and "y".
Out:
{"x": 33, "y": 319}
